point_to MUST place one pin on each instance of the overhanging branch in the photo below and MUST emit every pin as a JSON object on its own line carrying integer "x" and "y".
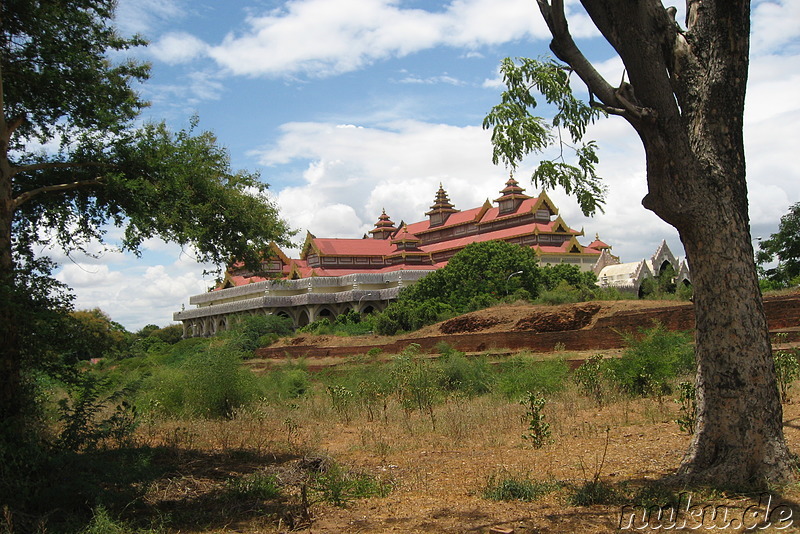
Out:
{"x": 55, "y": 188}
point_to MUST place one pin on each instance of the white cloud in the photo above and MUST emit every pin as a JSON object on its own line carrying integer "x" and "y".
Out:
{"x": 774, "y": 26}
{"x": 177, "y": 47}
{"x": 142, "y": 16}
{"x": 320, "y": 38}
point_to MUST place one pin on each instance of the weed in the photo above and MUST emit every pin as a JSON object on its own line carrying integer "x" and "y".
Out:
{"x": 650, "y": 360}
{"x": 337, "y": 486}
{"x": 589, "y": 378}
{"x": 341, "y": 397}
{"x": 506, "y": 486}
{"x": 594, "y": 490}
{"x": 688, "y": 407}
{"x": 254, "y": 486}
{"x": 538, "y": 429}
{"x": 787, "y": 368}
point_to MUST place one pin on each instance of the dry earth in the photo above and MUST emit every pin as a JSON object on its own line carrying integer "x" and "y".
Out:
{"x": 438, "y": 474}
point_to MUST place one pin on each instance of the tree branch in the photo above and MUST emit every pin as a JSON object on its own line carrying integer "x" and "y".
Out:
{"x": 565, "y": 49}
{"x": 26, "y": 196}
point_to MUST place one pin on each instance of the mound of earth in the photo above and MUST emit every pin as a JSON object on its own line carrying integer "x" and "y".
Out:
{"x": 570, "y": 318}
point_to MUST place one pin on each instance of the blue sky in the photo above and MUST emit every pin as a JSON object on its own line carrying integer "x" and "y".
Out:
{"x": 348, "y": 107}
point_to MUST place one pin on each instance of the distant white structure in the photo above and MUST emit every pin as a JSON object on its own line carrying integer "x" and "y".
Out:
{"x": 611, "y": 273}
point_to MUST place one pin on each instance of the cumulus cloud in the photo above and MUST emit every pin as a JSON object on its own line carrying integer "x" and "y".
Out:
{"x": 177, "y": 47}
{"x": 142, "y": 16}
{"x": 774, "y": 26}
{"x": 134, "y": 293}
{"x": 320, "y": 38}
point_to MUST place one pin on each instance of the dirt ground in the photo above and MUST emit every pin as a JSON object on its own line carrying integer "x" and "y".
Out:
{"x": 438, "y": 472}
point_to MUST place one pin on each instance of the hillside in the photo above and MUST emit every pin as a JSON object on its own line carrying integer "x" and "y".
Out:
{"x": 586, "y": 326}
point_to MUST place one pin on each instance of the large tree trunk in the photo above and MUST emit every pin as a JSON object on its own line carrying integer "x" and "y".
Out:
{"x": 686, "y": 101}
{"x": 11, "y": 395}
{"x": 739, "y": 434}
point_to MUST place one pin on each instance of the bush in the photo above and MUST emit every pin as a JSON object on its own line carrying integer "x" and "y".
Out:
{"x": 520, "y": 374}
{"x": 211, "y": 383}
{"x": 468, "y": 376}
{"x": 247, "y": 333}
{"x": 651, "y": 359}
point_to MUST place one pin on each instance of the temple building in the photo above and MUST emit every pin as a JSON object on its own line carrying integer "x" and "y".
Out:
{"x": 333, "y": 276}
{"x": 629, "y": 276}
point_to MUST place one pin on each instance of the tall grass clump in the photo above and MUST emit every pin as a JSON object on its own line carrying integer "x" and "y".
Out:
{"x": 287, "y": 382}
{"x": 506, "y": 486}
{"x": 521, "y": 373}
{"x": 652, "y": 359}
{"x": 470, "y": 376}
{"x": 211, "y": 383}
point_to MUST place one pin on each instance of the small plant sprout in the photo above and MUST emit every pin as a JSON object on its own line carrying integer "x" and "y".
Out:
{"x": 538, "y": 429}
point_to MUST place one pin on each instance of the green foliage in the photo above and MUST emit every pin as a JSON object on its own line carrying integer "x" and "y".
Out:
{"x": 521, "y": 373}
{"x": 341, "y": 400}
{"x": 783, "y": 246}
{"x": 650, "y": 360}
{"x": 478, "y": 276}
{"x": 787, "y": 367}
{"x": 67, "y": 85}
{"x": 256, "y": 485}
{"x": 538, "y": 433}
{"x": 516, "y": 132}
{"x": 95, "y": 335}
{"x": 563, "y": 293}
{"x": 417, "y": 382}
{"x": 247, "y": 334}
{"x": 556, "y": 275}
{"x": 506, "y": 486}
{"x": 286, "y": 382}
{"x": 589, "y": 377}
{"x": 594, "y": 492}
{"x": 210, "y": 383}
{"x": 339, "y": 487}
{"x": 82, "y": 429}
{"x": 470, "y": 376}
{"x": 687, "y": 413}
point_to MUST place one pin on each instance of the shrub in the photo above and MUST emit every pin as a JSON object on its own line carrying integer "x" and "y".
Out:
{"x": 210, "y": 383}
{"x": 247, "y": 333}
{"x": 590, "y": 379}
{"x": 468, "y": 376}
{"x": 651, "y": 359}
{"x": 688, "y": 407}
{"x": 521, "y": 373}
{"x": 538, "y": 429}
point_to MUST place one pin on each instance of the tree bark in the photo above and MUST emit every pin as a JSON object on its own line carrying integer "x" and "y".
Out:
{"x": 686, "y": 101}
{"x": 11, "y": 394}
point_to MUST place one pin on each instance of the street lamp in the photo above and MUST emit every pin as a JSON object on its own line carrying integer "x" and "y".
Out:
{"x": 358, "y": 306}
{"x": 509, "y": 278}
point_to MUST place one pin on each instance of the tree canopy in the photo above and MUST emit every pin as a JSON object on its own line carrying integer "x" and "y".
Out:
{"x": 783, "y": 246}
{"x": 74, "y": 160}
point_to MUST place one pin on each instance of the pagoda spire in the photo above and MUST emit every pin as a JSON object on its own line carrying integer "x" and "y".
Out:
{"x": 384, "y": 228}
{"x": 512, "y": 196}
{"x": 442, "y": 208}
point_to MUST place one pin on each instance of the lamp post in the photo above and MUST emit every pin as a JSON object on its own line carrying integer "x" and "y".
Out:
{"x": 509, "y": 278}
{"x": 360, "y": 299}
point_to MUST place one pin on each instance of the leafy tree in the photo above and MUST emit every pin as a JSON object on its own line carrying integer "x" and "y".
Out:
{"x": 785, "y": 247}
{"x": 683, "y": 93}
{"x": 95, "y": 335}
{"x": 60, "y": 88}
{"x": 479, "y": 275}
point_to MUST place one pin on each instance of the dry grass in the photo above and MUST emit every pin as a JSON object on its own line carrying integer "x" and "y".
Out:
{"x": 438, "y": 474}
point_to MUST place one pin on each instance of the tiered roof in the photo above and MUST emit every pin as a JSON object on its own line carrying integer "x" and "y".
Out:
{"x": 430, "y": 243}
